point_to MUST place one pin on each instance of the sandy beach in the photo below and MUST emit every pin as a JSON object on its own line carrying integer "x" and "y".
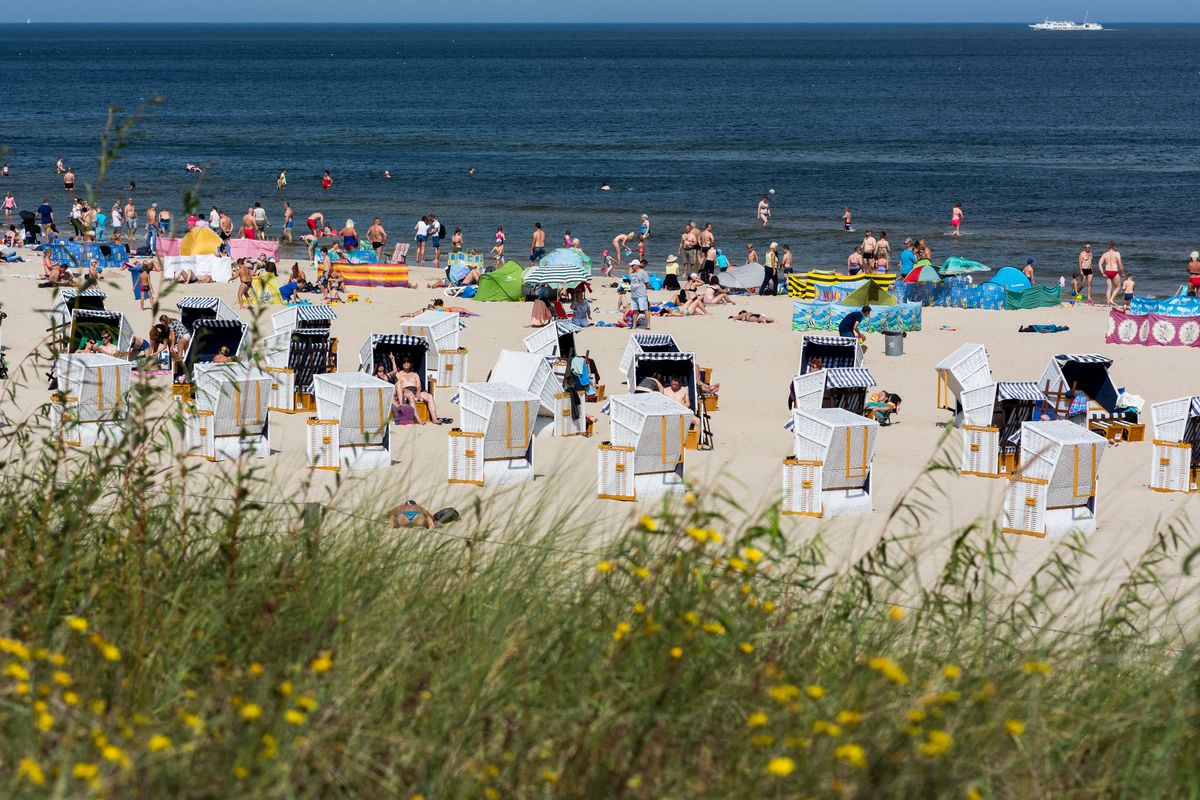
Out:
{"x": 754, "y": 365}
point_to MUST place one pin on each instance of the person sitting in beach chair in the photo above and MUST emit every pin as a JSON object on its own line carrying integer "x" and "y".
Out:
{"x": 881, "y": 407}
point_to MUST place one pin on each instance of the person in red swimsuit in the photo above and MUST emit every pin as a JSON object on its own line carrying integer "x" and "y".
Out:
{"x": 326, "y": 181}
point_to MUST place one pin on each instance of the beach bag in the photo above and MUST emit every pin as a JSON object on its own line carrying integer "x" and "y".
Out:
{"x": 441, "y": 231}
{"x": 655, "y": 281}
{"x": 405, "y": 415}
{"x": 469, "y": 292}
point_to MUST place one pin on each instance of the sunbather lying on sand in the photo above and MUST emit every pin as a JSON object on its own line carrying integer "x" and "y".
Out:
{"x": 746, "y": 316}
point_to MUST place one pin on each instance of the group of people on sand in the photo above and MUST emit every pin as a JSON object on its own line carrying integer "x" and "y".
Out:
{"x": 1119, "y": 283}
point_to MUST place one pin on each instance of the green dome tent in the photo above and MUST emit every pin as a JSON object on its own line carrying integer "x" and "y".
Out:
{"x": 869, "y": 294}
{"x": 503, "y": 285}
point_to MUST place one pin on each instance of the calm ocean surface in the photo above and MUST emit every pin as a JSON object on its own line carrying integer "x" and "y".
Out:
{"x": 1048, "y": 139}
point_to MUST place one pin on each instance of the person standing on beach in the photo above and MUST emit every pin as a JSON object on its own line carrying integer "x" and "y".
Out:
{"x": 537, "y": 243}
{"x": 131, "y": 225}
{"x": 705, "y": 238}
{"x": 498, "y": 248}
{"x": 377, "y": 236}
{"x": 214, "y": 218}
{"x": 786, "y": 260}
{"x": 422, "y": 233}
{"x": 248, "y": 224}
{"x": 688, "y": 247}
{"x": 1085, "y": 270}
{"x": 289, "y": 219}
{"x": 1028, "y": 271}
{"x": 1114, "y": 270}
{"x": 847, "y": 218}
{"x": 770, "y": 284}
{"x": 956, "y": 218}
{"x": 326, "y": 181}
{"x": 764, "y": 211}
{"x": 224, "y": 226}
{"x": 638, "y": 300}
{"x": 242, "y": 273}
{"x": 436, "y": 231}
{"x": 1193, "y": 273}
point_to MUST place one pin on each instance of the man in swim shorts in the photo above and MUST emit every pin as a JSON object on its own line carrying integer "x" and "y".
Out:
{"x": 537, "y": 243}
{"x": 1113, "y": 268}
{"x": 1193, "y": 268}
{"x": 1085, "y": 270}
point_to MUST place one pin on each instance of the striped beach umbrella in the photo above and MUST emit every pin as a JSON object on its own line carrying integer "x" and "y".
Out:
{"x": 558, "y": 275}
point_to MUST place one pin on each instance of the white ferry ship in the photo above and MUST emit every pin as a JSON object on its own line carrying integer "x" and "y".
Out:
{"x": 1063, "y": 25}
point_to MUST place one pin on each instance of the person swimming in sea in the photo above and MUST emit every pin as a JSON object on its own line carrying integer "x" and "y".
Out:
{"x": 604, "y": 187}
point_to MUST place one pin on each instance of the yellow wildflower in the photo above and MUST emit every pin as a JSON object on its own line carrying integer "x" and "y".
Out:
{"x": 715, "y": 537}
{"x": 784, "y": 693}
{"x": 699, "y": 534}
{"x": 849, "y": 717}
{"x": 768, "y": 606}
{"x": 194, "y": 722}
{"x": 270, "y": 747}
{"x": 114, "y": 754}
{"x": 852, "y": 755}
{"x": 746, "y": 648}
{"x": 691, "y": 618}
{"x": 974, "y": 794}
{"x": 649, "y": 524}
{"x": 31, "y": 771}
{"x": 781, "y": 766}
{"x": 604, "y": 567}
{"x": 948, "y": 698}
{"x": 634, "y": 782}
{"x": 57, "y": 659}
{"x": 21, "y": 688}
{"x": 322, "y": 663}
{"x": 689, "y": 498}
{"x": 550, "y": 776}
{"x": 491, "y": 794}
{"x": 306, "y": 702}
{"x": 676, "y": 652}
{"x": 256, "y": 668}
{"x": 762, "y": 740}
{"x": 16, "y": 672}
{"x": 293, "y": 717}
{"x": 85, "y": 770}
{"x": 815, "y": 692}
{"x": 827, "y": 728}
{"x": 110, "y": 652}
{"x": 639, "y": 608}
{"x": 77, "y": 624}
{"x": 285, "y": 688}
{"x": 939, "y": 742}
{"x": 639, "y": 572}
{"x": 796, "y": 743}
{"x": 715, "y": 628}
{"x": 251, "y": 711}
{"x": 985, "y": 693}
{"x": 1037, "y": 668}
{"x": 756, "y": 720}
{"x": 44, "y": 721}
{"x": 752, "y": 554}
{"x": 240, "y": 772}
{"x": 61, "y": 678}
{"x": 916, "y": 715}
{"x": 622, "y": 629}
{"x": 1014, "y": 726}
{"x": 158, "y": 742}
{"x": 952, "y": 672}
{"x": 738, "y": 564}
{"x": 71, "y": 698}
{"x": 897, "y": 613}
{"x": 889, "y": 669}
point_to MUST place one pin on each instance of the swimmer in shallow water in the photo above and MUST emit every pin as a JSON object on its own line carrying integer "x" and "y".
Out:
{"x": 604, "y": 187}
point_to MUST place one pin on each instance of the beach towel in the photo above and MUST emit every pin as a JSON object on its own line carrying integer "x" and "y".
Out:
{"x": 1043, "y": 328}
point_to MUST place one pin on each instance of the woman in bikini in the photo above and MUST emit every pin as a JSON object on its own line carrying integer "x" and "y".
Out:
{"x": 956, "y": 218}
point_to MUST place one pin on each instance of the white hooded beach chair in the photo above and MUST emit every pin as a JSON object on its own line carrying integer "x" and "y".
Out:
{"x": 1086, "y": 372}
{"x": 556, "y": 340}
{"x": 229, "y": 416}
{"x": 208, "y": 336}
{"x": 495, "y": 444}
{"x": 663, "y": 366}
{"x": 1054, "y": 494}
{"x": 198, "y": 307}
{"x": 829, "y": 472}
{"x": 840, "y": 387}
{"x": 991, "y": 442}
{"x": 534, "y": 374}
{"x": 87, "y": 325}
{"x": 965, "y": 369}
{"x": 644, "y": 459}
{"x": 1176, "y": 460}
{"x": 90, "y": 405}
{"x": 352, "y": 429}
{"x": 67, "y": 300}
{"x": 645, "y": 343}
{"x": 300, "y": 349}
{"x": 447, "y": 362}
{"x": 838, "y": 352}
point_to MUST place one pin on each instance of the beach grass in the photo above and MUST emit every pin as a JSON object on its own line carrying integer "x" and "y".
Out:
{"x": 183, "y": 633}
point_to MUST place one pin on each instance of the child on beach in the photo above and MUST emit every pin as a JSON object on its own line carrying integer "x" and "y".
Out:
{"x": 146, "y": 288}
{"x": 1127, "y": 287}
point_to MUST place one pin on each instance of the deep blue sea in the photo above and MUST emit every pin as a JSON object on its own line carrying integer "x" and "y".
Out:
{"x": 1047, "y": 139}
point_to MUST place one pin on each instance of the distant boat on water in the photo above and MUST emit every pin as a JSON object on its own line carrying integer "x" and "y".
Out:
{"x": 1064, "y": 25}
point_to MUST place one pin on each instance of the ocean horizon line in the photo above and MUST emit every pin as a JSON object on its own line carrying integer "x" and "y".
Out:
{"x": 585, "y": 24}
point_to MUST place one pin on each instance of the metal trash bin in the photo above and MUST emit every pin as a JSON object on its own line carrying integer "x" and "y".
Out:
{"x": 893, "y": 343}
